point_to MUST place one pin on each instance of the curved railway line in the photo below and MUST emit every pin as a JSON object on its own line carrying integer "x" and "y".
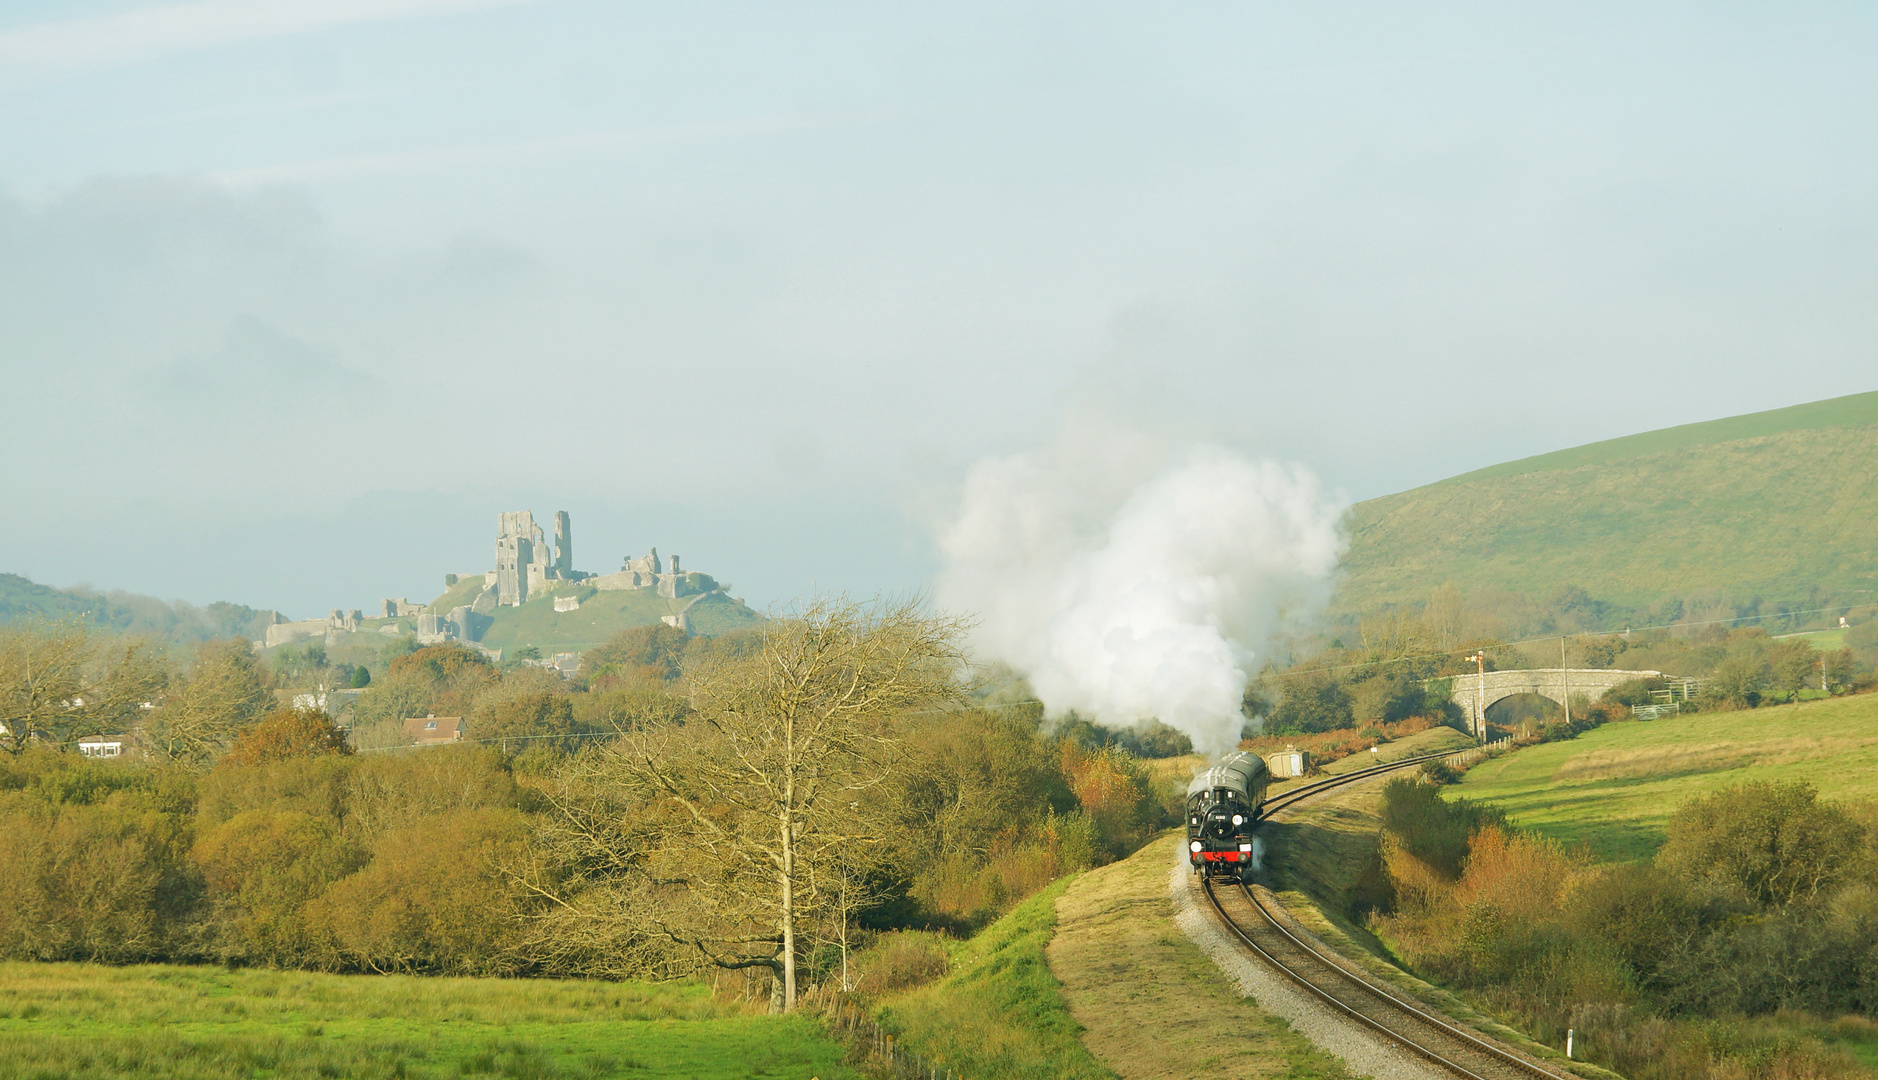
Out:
{"x": 1254, "y": 917}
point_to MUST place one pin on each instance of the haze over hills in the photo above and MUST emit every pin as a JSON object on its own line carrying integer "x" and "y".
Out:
{"x": 1773, "y": 506}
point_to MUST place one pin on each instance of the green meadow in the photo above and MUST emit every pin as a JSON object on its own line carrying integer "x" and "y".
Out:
{"x": 1614, "y": 788}
{"x": 83, "y": 1020}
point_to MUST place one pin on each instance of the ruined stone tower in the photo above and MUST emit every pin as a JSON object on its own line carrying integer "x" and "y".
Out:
{"x": 521, "y": 557}
{"x": 524, "y": 562}
{"x": 563, "y": 546}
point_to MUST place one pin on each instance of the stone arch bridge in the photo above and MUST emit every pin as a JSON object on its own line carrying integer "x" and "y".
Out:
{"x": 1476, "y": 693}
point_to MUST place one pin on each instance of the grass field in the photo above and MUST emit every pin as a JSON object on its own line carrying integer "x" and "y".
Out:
{"x": 1615, "y": 787}
{"x": 78, "y": 1020}
{"x": 1823, "y": 640}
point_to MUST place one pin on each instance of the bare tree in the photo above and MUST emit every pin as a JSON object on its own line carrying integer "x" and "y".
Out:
{"x": 223, "y": 695}
{"x": 752, "y": 809}
{"x": 60, "y": 681}
{"x": 42, "y": 679}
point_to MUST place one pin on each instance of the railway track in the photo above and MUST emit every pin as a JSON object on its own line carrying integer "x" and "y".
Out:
{"x": 1255, "y": 917}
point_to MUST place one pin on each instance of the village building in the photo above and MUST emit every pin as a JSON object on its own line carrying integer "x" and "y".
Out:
{"x": 433, "y": 730}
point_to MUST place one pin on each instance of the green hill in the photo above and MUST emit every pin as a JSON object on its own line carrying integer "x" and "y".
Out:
{"x": 1775, "y": 505}
{"x": 22, "y": 599}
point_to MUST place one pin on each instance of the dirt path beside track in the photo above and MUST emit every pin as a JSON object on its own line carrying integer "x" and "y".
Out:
{"x": 1152, "y": 1004}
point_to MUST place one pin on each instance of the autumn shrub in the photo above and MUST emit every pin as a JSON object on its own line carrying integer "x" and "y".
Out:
{"x": 90, "y": 881}
{"x": 286, "y": 733}
{"x": 1770, "y": 843}
{"x": 1115, "y": 793}
{"x": 1439, "y": 772}
{"x": 434, "y": 897}
{"x": 391, "y": 791}
{"x": 311, "y": 785}
{"x": 95, "y": 862}
{"x": 1760, "y": 905}
{"x": 264, "y": 869}
{"x": 1434, "y": 830}
{"x": 967, "y": 890}
{"x": 899, "y": 960}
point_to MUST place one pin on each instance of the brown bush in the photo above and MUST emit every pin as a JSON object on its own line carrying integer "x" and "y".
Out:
{"x": 1329, "y": 746}
{"x": 900, "y": 960}
{"x": 263, "y": 869}
{"x": 80, "y": 882}
{"x": 434, "y": 897}
{"x": 286, "y": 733}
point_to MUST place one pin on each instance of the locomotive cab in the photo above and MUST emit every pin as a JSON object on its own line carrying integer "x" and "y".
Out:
{"x": 1223, "y": 805}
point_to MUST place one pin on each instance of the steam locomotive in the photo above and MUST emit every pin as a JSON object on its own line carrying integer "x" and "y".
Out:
{"x": 1222, "y": 808}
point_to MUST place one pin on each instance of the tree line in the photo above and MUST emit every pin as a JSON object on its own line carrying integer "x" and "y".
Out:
{"x": 1402, "y": 663}
{"x": 762, "y": 803}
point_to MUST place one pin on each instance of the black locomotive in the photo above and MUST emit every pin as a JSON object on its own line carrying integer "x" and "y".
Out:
{"x": 1222, "y": 807}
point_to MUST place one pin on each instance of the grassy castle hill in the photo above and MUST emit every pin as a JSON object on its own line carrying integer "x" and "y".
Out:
{"x": 1772, "y": 504}
{"x": 602, "y": 613}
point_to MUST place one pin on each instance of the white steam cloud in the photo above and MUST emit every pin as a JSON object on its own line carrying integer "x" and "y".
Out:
{"x": 1127, "y": 583}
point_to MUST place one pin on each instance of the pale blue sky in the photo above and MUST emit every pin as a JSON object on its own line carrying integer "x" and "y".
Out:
{"x": 295, "y": 295}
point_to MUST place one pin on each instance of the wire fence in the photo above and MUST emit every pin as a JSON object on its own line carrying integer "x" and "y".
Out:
{"x": 1461, "y": 759}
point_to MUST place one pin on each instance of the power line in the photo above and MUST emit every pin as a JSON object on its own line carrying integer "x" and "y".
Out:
{"x": 499, "y": 739}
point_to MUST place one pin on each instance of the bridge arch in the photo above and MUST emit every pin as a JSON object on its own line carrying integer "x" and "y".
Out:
{"x": 1476, "y": 693}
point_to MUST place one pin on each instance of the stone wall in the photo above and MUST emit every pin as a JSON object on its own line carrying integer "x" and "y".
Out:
{"x": 284, "y": 633}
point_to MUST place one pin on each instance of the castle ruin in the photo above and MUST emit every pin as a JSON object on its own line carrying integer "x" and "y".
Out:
{"x": 526, "y": 566}
{"x": 524, "y": 563}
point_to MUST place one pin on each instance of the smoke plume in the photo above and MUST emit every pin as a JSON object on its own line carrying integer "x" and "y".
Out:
{"x": 1127, "y": 581}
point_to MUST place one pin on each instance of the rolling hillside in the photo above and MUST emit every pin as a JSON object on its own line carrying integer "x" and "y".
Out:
{"x": 1775, "y": 505}
{"x": 1614, "y": 788}
{"x": 23, "y": 600}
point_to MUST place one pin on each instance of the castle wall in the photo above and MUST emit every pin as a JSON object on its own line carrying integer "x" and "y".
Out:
{"x": 287, "y": 632}
{"x": 625, "y": 579}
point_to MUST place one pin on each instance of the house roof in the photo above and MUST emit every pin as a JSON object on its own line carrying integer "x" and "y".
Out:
{"x": 430, "y": 730}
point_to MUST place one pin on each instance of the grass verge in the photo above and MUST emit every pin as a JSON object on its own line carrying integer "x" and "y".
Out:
{"x": 1000, "y": 1014}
